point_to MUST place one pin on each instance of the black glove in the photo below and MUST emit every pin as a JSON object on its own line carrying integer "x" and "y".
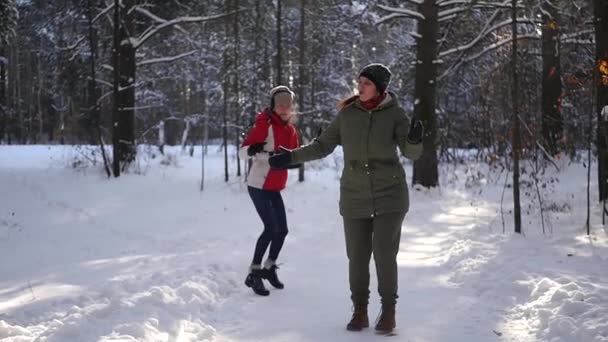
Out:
{"x": 280, "y": 160}
{"x": 255, "y": 149}
{"x": 414, "y": 136}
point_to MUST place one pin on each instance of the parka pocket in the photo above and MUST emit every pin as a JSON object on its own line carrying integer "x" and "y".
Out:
{"x": 388, "y": 177}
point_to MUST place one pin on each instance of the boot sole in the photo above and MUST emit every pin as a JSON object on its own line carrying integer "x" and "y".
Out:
{"x": 263, "y": 294}
{"x": 350, "y": 328}
{"x": 356, "y": 329}
{"x": 390, "y": 332}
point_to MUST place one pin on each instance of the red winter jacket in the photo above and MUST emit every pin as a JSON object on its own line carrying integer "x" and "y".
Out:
{"x": 268, "y": 128}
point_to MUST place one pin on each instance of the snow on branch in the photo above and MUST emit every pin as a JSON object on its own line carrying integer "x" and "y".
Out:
{"x": 165, "y": 59}
{"x": 102, "y": 97}
{"x": 414, "y": 34}
{"x": 73, "y": 46}
{"x": 106, "y": 83}
{"x": 156, "y": 18}
{"x": 82, "y": 38}
{"x": 453, "y": 11}
{"x": 456, "y": 10}
{"x": 390, "y": 17}
{"x": 590, "y": 41}
{"x": 449, "y": 17}
{"x": 103, "y": 12}
{"x": 484, "y": 33}
{"x": 415, "y": 2}
{"x": 471, "y": 3}
{"x": 182, "y": 20}
{"x": 149, "y": 14}
{"x": 576, "y": 34}
{"x": 546, "y": 13}
{"x": 499, "y": 44}
{"x": 486, "y": 50}
{"x": 404, "y": 12}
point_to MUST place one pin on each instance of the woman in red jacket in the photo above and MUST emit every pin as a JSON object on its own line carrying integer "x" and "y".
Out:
{"x": 272, "y": 131}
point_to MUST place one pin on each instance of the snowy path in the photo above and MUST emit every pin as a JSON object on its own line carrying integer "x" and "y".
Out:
{"x": 149, "y": 258}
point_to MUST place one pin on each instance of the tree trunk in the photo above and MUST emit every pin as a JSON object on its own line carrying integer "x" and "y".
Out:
{"x": 279, "y": 80}
{"x": 516, "y": 143}
{"x": 601, "y": 44}
{"x": 20, "y": 129}
{"x": 425, "y": 168}
{"x": 3, "y": 107}
{"x": 126, "y": 94}
{"x": 552, "y": 84}
{"x": 116, "y": 108}
{"x": 302, "y": 74}
{"x": 185, "y": 134}
{"x": 38, "y": 135}
{"x": 236, "y": 73}
{"x": 225, "y": 90}
{"x": 161, "y": 137}
{"x": 206, "y": 122}
{"x": 94, "y": 115}
{"x": 225, "y": 117}
{"x": 205, "y": 140}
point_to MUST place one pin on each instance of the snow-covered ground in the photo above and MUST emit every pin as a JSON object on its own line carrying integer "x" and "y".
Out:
{"x": 148, "y": 257}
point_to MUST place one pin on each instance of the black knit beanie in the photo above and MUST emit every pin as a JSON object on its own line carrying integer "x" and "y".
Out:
{"x": 379, "y": 74}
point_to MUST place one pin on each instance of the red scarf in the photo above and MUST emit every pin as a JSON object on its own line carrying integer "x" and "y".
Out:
{"x": 373, "y": 103}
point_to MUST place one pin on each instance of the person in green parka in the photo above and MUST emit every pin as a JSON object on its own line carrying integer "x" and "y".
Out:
{"x": 374, "y": 195}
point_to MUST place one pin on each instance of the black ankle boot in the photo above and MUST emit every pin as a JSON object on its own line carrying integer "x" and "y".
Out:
{"x": 270, "y": 274}
{"x": 254, "y": 281}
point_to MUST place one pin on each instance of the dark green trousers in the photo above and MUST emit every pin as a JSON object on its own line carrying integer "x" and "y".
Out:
{"x": 379, "y": 235}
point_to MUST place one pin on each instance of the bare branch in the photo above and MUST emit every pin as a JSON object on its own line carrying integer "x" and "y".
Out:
{"x": 484, "y": 33}
{"x": 182, "y": 20}
{"x": 73, "y": 46}
{"x": 579, "y": 41}
{"x": 449, "y": 17}
{"x": 82, "y": 38}
{"x": 165, "y": 59}
{"x": 106, "y": 83}
{"x": 104, "y": 96}
{"x": 403, "y": 11}
{"x": 484, "y": 51}
{"x": 538, "y": 144}
{"x": 390, "y": 17}
{"x": 484, "y": 29}
{"x": 576, "y": 34}
{"x": 467, "y": 2}
{"x": 103, "y": 12}
{"x": 478, "y": 5}
{"x": 156, "y": 18}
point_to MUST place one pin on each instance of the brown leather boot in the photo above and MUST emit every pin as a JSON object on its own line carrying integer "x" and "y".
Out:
{"x": 359, "y": 319}
{"x": 386, "y": 322}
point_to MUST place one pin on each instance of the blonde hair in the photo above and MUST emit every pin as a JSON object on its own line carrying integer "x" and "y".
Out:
{"x": 347, "y": 101}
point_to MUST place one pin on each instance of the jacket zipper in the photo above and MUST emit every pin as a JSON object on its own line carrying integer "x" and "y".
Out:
{"x": 369, "y": 177}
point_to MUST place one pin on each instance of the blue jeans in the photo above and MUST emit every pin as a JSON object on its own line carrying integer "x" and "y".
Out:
{"x": 270, "y": 207}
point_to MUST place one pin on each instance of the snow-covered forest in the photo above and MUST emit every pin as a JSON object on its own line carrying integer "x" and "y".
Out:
{"x": 124, "y": 205}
